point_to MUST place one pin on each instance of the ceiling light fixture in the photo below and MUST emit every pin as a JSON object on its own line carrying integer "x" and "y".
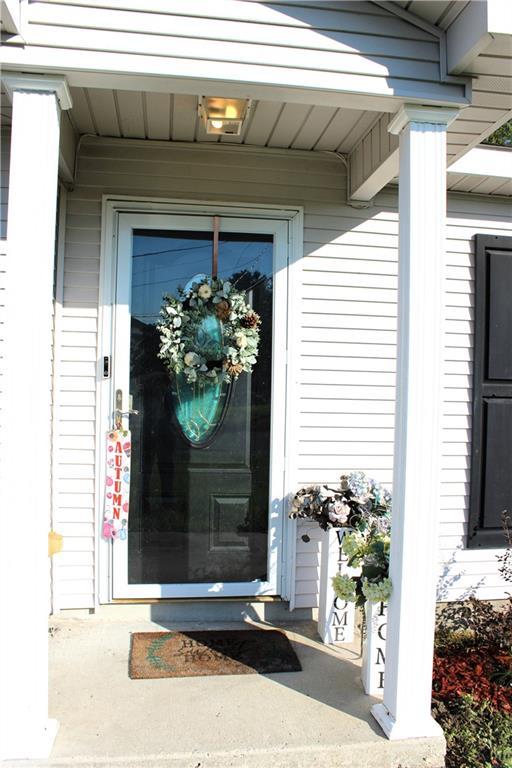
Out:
{"x": 222, "y": 116}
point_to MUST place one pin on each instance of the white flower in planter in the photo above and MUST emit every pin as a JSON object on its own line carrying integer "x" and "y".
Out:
{"x": 338, "y": 512}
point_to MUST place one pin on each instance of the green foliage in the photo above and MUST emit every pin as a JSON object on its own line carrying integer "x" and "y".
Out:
{"x": 369, "y": 550}
{"x": 502, "y": 137}
{"x": 475, "y": 623}
{"x": 472, "y": 683}
{"x": 505, "y": 560}
{"x": 477, "y": 735}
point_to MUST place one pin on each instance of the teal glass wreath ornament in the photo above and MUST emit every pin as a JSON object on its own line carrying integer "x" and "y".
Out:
{"x": 209, "y": 336}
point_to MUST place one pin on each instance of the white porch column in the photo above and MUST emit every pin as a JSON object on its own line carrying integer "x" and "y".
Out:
{"x": 405, "y": 711}
{"x": 25, "y": 730}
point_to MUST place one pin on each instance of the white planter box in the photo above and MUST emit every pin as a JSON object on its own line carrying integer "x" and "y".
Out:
{"x": 374, "y": 648}
{"x": 335, "y": 617}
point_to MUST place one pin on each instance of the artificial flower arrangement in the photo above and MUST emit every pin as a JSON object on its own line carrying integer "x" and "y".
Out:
{"x": 203, "y": 357}
{"x": 363, "y": 507}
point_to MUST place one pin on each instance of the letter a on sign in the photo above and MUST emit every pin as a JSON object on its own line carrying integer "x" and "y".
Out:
{"x": 117, "y": 484}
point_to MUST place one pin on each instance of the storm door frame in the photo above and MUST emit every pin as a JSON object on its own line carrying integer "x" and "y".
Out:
{"x": 283, "y": 425}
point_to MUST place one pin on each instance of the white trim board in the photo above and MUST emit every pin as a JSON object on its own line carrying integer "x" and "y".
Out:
{"x": 112, "y": 207}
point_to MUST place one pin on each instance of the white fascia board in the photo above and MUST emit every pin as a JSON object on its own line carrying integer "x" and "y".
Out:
{"x": 474, "y": 29}
{"x": 467, "y": 37}
{"x": 494, "y": 162}
{"x": 99, "y": 69}
{"x": 10, "y": 15}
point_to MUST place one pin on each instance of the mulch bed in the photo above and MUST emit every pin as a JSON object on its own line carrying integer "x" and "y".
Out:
{"x": 473, "y": 671}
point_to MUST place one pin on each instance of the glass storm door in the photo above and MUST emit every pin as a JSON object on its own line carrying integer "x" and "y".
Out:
{"x": 206, "y": 504}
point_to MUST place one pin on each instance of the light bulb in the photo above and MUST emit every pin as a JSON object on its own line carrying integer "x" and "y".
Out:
{"x": 217, "y": 123}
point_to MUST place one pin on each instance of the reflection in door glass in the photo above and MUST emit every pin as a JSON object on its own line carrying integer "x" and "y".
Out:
{"x": 198, "y": 514}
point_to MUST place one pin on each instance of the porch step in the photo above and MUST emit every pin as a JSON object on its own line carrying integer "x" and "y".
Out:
{"x": 413, "y": 753}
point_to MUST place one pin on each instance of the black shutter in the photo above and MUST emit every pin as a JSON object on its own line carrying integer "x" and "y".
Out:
{"x": 491, "y": 464}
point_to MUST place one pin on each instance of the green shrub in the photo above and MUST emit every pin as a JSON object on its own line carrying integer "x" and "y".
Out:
{"x": 475, "y": 623}
{"x": 477, "y": 735}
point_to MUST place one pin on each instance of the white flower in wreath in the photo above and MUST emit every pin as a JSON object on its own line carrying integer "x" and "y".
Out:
{"x": 204, "y": 292}
{"x": 191, "y": 359}
{"x": 241, "y": 340}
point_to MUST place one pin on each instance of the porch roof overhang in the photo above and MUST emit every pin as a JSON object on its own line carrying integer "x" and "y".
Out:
{"x": 477, "y": 40}
{"x": 485, "y": 170}
{"x": 138, "y": 95}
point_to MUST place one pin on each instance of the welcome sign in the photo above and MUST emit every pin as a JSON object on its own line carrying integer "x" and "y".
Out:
{"x": 117, "y": 485}
{"x": 336, "y": 618}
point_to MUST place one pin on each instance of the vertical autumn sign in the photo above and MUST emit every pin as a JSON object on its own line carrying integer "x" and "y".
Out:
{"x": 117, "y": 484}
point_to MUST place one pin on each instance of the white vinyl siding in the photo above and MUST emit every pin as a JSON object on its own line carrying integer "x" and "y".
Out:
{"x": 346, "y": 313}
{"x": 5, "y": 156}
{"x": 3, "y": 286}
{"x": 5, "y": 152}
{"x": 373, "y": 49}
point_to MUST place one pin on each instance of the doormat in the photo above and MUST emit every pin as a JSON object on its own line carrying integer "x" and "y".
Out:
{"x": 225, "y": 652}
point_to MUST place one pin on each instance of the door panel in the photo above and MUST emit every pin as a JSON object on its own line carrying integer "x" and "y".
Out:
{"x": 199, "y": 516}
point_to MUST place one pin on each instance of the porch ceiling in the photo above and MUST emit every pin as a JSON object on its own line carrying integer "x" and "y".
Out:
{"x": 174, "y": 117}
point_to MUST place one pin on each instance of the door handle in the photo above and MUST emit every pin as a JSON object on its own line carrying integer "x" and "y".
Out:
{"x": 119, "y": 413}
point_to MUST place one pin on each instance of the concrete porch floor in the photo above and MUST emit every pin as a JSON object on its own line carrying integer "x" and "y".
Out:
{"x": 317, "y": 718}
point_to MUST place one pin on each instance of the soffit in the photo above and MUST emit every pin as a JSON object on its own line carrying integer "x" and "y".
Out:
{"x": 173, "y": 117}
{"x": 479, "y": 185}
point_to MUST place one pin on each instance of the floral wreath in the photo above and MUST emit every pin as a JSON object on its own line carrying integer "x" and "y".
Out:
{"x": 184, "y": 349}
